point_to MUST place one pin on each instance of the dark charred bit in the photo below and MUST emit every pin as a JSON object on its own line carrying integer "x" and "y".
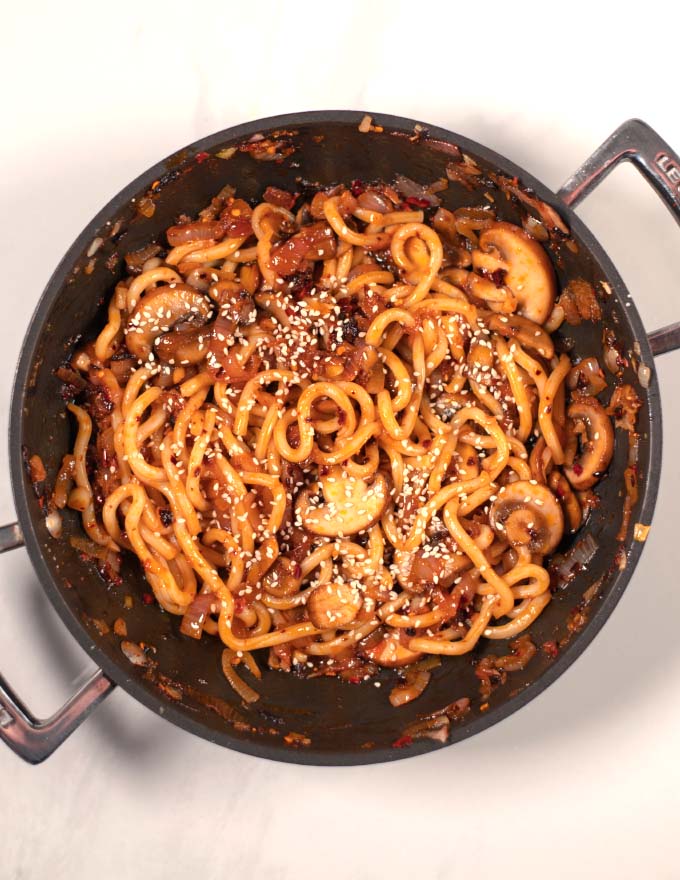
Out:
{"x": 166, "y": 516}
{"x": 272, "y": 149}
{"x": 300, "y": 284}
{"x": 349, "y": 329}
{"x": 73, "y": 384}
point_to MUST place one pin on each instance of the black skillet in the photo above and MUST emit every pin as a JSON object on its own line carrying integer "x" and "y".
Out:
{"x": 321, "y": 721}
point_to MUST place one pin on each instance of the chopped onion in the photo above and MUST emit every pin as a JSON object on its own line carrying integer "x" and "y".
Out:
{"x": 644, "y": 375}
{"x": 374, "y": 201}
{"x": 579, "y": 556}
{"x": 536, "y": 229}
{"x": 413, "y": 687}
{"x": 439, "y": 185}
{"x": 54, "y": 524}
{"x": 611, "y": 359}
{"x": 436, "y": 728}
{"x": 555, "y": 319}
{"x": 194, "y": 617}
{"x": 640, "y": 532}
{"x": 245, "y": 692}
{"x": 417, "y": 679}
{"x": 365, "y": 124}
{"x": 410, "y": 189}
{"x": 134, "y": 653}
{"x": 94, "y": 247}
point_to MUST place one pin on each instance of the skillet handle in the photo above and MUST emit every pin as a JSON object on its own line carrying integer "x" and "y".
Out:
{"x": 635, "y": 142}
{"x": 35, "y": 739}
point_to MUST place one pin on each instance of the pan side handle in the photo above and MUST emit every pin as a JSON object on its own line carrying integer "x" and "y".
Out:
{"x": 35, "y": 739}
{"x": 635, "y": 142}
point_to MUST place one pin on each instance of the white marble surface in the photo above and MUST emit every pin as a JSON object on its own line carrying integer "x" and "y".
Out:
{"x": 584, "y": 781}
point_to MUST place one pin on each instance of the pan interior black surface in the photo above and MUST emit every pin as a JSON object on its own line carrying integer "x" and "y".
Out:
{"x": 330, "y": 722}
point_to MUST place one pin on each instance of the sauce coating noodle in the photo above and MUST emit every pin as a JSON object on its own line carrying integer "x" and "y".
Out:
{"x": 314, "y": 431}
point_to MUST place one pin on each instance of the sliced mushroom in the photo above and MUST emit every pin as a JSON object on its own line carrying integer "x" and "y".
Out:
{"x": 349, "y": 506}
{"x": 593, "y": 428}
{"x": 527, "y": 514}
{"x": 332, "y": 605}
{"x": 390, "y": 652}
{"x": 184, "y": 346}
{"x": 527, "y": 269}
{"x": 159, "y": 311}
{"x": 431, "y": 564}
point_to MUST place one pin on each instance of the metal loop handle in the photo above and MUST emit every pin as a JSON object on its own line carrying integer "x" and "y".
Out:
{"x": 635, "y": 142}
{"x": 35, "y": 739}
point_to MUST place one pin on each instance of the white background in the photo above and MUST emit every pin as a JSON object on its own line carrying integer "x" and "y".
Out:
{"x": 585, "y": 781}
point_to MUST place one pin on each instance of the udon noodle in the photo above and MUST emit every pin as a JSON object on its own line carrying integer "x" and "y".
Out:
{"x": 341, "y": 435}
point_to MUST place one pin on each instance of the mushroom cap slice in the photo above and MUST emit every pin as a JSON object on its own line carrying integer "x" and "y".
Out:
{"x": 332, "y": 605}
{"x": 390, "y": 652}
{"x": 349, "y": 506}
{"x": 429, "y": 565}
{"x": 159, "y": 311}
{"x": 597, "y": 448}
{"x": 528, "y": 271}
{"x": 526, "y": 513}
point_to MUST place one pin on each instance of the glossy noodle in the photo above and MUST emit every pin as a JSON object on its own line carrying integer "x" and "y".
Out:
{"x": 340, "y": 435}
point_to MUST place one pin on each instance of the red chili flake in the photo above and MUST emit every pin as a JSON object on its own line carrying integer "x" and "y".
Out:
{"x": 578, "y": 469}
{"x": 297, "y": 571}
{"x": 355, "y": 679}
{"x": 201, "y": 157}
{"x": 498, "y": 277}
{"x": 415, "y": 202}
{"x": 403, "y": 741}
{"x": 357, "y": 187}
{"x": 147, "y": 598}
{"x": 550, "y": 649}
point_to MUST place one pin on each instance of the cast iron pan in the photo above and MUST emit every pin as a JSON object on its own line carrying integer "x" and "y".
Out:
{"x": 321, "y": 721}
